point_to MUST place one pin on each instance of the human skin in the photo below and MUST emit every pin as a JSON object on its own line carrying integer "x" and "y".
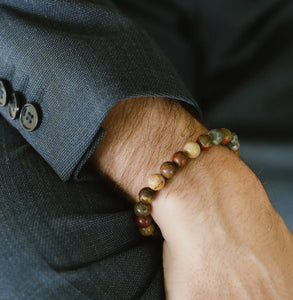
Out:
{"x": 222, "y": 237}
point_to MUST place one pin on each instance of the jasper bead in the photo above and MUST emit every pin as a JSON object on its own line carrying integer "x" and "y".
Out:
{"x": 180, "y": 159}
{"x": 156, "y": 182}
{"x": 142, "y": 209}
{"x": 227, "y": 136}
{"x": 234, "y": 144}
{"x": 234, "y": 139}
{"x": 235, "y": 148}
{"x": 216, "y": 136}
{"x": 143, "y": 221}
{"x": 168, "y": 169}
{"x": 205, "y": 142}
{"x": 147, "y": 231}
{"x": 192, "y": 149}
{"x": 146, "y": 195}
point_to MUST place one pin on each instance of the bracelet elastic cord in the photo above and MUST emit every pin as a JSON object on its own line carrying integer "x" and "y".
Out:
{"x": 191, "y": 150}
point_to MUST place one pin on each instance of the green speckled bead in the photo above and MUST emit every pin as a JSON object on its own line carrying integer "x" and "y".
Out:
{"x": 235, "y": 147}
{"x": 234, "y": 139}
{"x": 168, "y": 169}
{"x": 146, "y": 195}
{"x": 216, "y": 136}
{"x": 147, "y": 231}
{"x": 234, "y": 144}
{"x": 142, "y": 209}
{"x": 205, "y": 142}
{"x": 227, "y": 136}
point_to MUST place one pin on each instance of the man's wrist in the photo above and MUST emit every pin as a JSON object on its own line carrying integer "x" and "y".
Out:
{"x": 141, "y": 134}
{"x": 213, "y": 211}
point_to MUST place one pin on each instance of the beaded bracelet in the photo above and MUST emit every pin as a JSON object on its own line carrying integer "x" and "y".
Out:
{"x": 142, "y": 209}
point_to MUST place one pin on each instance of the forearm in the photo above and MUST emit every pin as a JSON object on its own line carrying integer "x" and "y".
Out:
{"x": 142, "y": 133}
{"x": 214, "y": 213}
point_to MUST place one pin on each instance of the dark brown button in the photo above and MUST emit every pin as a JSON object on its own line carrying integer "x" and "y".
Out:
{"x": 14, "y": 106}
{"x": 3, "y": 94}
{"x": 29, "y": 117}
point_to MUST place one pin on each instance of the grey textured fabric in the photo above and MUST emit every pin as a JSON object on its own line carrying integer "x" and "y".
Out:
{"x": 68, "y": 240}
{"x": 74, "y": 240}
{"x": 76, "y": 60}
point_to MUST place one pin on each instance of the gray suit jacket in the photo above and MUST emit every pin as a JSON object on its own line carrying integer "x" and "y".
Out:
{"x": 76, "y": 60}
{"x": 64, "y": 233}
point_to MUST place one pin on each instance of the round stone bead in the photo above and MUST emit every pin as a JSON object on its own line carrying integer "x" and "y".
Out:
{"x": 142, "y": 209}
{"x": 234, "y": 139}
{"x": 143, "y": 221}
{"x": 235, "y": 148}
{"x": 227, "y": 136}
{"x": 234, "y": 144}
{"x": 147, "y": 231}
{"x": 216, "y": 136}
{"x": 192, "y": 149}
{"x": 205, "y": 142}
{"x": 146, "y": 195}
{"x": 156, "y": 182}
{"x": 168, "y": 169}
{"x": 180, "y": 159}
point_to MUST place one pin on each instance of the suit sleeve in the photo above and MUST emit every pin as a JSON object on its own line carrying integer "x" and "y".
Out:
{"x": 76, "y": 60}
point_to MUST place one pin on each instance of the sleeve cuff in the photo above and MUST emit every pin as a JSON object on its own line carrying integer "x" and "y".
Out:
{"x": 77, "y": 78}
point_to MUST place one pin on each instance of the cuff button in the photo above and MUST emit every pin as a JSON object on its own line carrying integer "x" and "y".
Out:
{"x": 3, "y": 94}
{"x": 14, "y": 106}
{"x": 29, "y": 117}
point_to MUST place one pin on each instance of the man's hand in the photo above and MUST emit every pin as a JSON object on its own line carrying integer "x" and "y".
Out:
{"x": 223, "y": 239}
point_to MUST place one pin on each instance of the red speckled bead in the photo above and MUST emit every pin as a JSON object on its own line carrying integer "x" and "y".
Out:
{"x": 205, "y": 142}
{"x": 147, "y": 231}
{"x": 143, "y": 221}
{"x": 227, "y": 135}
{"x": 168, "y": 169}
{"x": 180, "y": 159}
